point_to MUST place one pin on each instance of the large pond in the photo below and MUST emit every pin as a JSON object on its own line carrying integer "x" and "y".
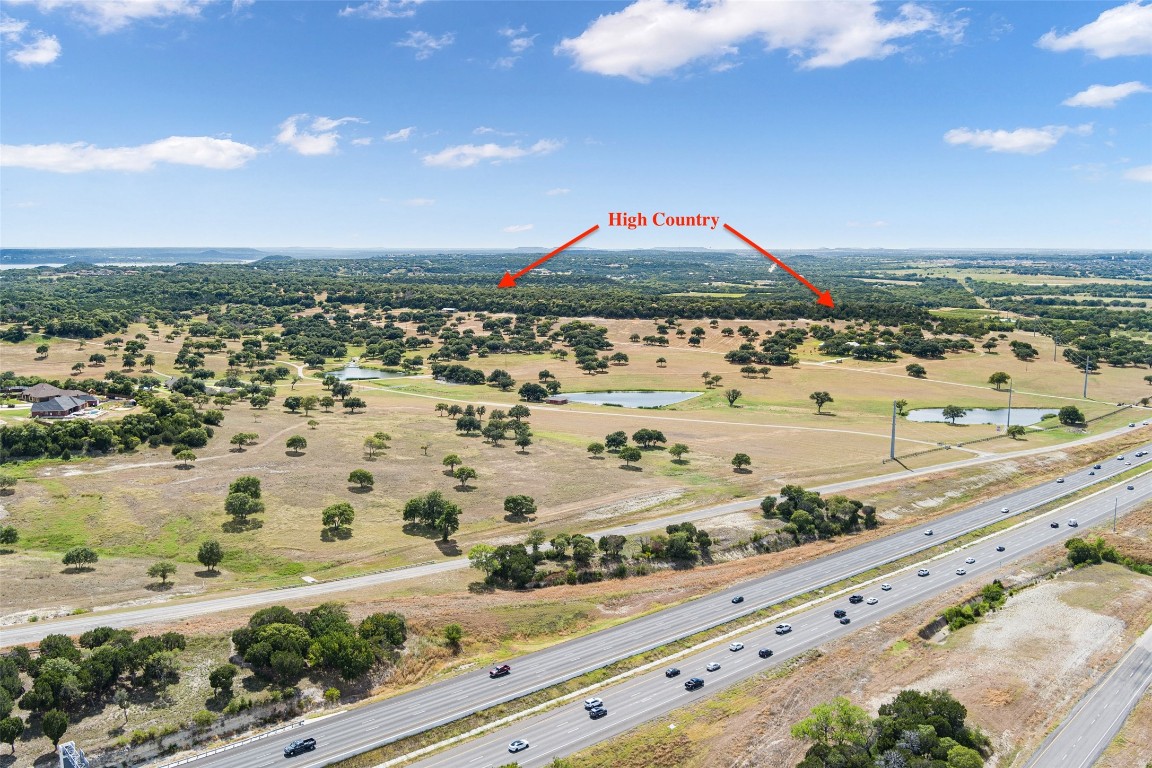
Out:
{"x": 353, "y": 372}
{"x": 1021, "y": 416}
{"x": 629, "y": 399}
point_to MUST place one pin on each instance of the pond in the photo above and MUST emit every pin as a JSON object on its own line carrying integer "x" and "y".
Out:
{"x": 630, "y": 399}
{"x": 353, "y": 372}
{"x": 1023, "y": 417}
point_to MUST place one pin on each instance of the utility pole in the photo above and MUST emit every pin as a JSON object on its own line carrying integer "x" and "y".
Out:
{"x": 892, "y": 446}
{"x": 1009, "y": 424}
{"x": 1087, "y": 365}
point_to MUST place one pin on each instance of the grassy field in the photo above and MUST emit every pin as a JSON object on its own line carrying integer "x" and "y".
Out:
{"x": 140, "y": 507}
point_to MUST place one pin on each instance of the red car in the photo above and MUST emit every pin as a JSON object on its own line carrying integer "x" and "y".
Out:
{"x": 500, "y": 671}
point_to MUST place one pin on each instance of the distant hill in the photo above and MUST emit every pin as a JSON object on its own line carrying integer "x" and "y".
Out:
{"x": 127, "y": 255}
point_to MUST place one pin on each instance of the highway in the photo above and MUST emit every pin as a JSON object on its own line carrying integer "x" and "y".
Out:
{"x": 1096, "y": 719}
{"x": 567, "y": 728}
{"x": 361, "y": 729}
{"x": 180, "y": 610}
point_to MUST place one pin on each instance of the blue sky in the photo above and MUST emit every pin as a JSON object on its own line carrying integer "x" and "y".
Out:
{"x": 487, "y": 124}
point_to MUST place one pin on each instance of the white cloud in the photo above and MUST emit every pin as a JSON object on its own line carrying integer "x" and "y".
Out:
{"x": 113, "y": 15}
{"x": 320, "y": 138}
{"x": 1140, "y": 173}
{"x": 481, "y": 130}
{"x": 1024, "y": 141}
{"x": 558, "y": 191}
{"x": 361, "y": 142}
{"x": 518, "y": 228}
{"x": 468, "y": 155}
{"x": 518, "y": 39}
{"x": 656, "y": 37}
{"x": 1105, "y": 95}
{"x": 202, "y": 151}
{"x": 1125, "y": 30}
{"x": 506, "y": 62}
{"x": 401, "y": 135}
{"x": 26, "y": 46}
{"x": 383, "y": 9}
{"x": 425, "y": 44}
{"x": 419, "y": 202}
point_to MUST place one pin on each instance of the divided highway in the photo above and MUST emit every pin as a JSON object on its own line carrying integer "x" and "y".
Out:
{"x": 372, "y": 725}
{"x": 568, "y": 728}
{"x": 1098, "y": 717}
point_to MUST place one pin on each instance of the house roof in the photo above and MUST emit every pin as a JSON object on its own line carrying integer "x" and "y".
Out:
{"x": 44, "y": 390}
{"x": 62, "y": 403}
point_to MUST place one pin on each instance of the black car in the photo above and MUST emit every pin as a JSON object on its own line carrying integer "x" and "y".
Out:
{"x": 839, "y": 613}
{"x": 765, "y": 652}
{"x": 856, "y": 599}
{"x": 597, "y": 713}
{"x": 1000, "y": 548}
{"x": 298, "y": 746}
{"x": 1053, "y": 524}
{"x": 693, "y": 683}
{"x": 671, "y": 672}
{"x": 738, "y": 599}
{"x": 845, "y": 620}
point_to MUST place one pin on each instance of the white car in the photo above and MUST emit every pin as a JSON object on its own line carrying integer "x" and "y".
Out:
{"x": 736, "y": 647}
{"x": 1073, "y": 523}
{"x": 886, "y": 587}
{"x": 712, "y": 667}
{"x": 518, "y": 746}
{"x": 593, "y": 703}
{"x": 783, "y": 629}
{"x": 871, "y": 601}
{"x": 1004, "y": 509}
{"x": 970, "y": 560}
{"x": 922, "y": 572}
{"x": 928, "y": 532}
{"x": 1059, "y": 479}
{"x": 960, "y": 571}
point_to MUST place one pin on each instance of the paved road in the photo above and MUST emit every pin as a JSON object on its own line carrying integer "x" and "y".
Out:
{"x": 1098, "y": 717}
{"x": 180, "y": 610}
{"x": 567, "y": 728}
{"x": 449, "y": 700}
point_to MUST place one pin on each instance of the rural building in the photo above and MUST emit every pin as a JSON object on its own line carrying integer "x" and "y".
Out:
{"x": 41, "y": 393}
{"x": 557, "y": 400}
{"x": 61, "y": 406}
{"x": 448, "y": 310}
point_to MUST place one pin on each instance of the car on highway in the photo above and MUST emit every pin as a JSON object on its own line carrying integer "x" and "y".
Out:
{"x": 597, "y": 713}
{"x": 845, "y": 620}
{"x": 839, "y": 613}
{"x": 500, "y": 671}
{"x": 970, "y": 560}
{"x": 871, "y": 601}
{"x": 1005, "y": 509}
{"x": 593, "y": 703}
{"x": 856, "y": 599}
{"x": 736, "y": 646}
{"x": 693, "y": 683}
{"x": 518, "y": 746}
{"x": 1073, "y": 523}
{"x": 1059, "y": 479}
{"x": 1097, "y": 466}
{"x": 1092, "y": 472}
{"x": 712, "y": 666}
{"x": 738, "y": 599}
{"x": 299, "y": 746}
{"x": 960, "y": 571}
{"x": 1053, "y": 524}
{"x": 671, "y": 672}
{"x": 1131, "y": 487}
{"x": 1120, "y": 457}
{"x": 922, "y": 572}
{"x": 928, "y": 532}
{"x": 783, "y": 629}
{"x": 764, "y": 653}
{"x": 1141, "y": 454}
{"x": 886, "y": 587}
{"x": 1000, "y": 548}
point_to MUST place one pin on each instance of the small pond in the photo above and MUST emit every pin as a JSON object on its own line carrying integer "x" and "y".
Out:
{"x": 353, "y": 372}
{"x": 1024, "y": 417}
{"x": 629, "y": 399}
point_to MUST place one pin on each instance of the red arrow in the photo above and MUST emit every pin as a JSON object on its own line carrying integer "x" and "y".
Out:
{"x": 509, "y": 280}
{"x": 825, "y": 297}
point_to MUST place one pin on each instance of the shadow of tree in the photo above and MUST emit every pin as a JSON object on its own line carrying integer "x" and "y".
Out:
{"x": 359, "y": 489}
{"x": 464, "y": 488}
{"x": 631, "y": 468}
{"x": 448, "y": 548}
{"x": 423, "y": 531}
{"x": 480, "y": 588}
{"x": 206, "y": 574}
{"x": 510, "y": 518}
{"x": 742, "y": 470}
{"x": 161, "y": 587}
{"x": 73, "y": 569}
{"x": 340, "y": 534}
{"x": 240, "y": 526}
